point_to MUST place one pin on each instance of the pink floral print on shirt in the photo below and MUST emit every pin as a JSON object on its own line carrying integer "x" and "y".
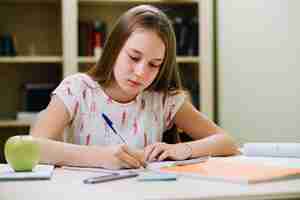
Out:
{"x": 109, "y": 100}
{"x": 93, "y": 107}
{"x": 135, "y": 127}
{"x": 81, "y": 127}
{"x": 76, "y": 107}
{"x": 123, "y": 118}
{"x": 88, "y": 139}
{"x": 69, "y": 92}
{"x": 143, "y": 104}
{"x": 84, "y": 94}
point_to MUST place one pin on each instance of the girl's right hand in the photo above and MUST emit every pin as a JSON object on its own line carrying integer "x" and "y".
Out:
{"x": 124, "y": 157}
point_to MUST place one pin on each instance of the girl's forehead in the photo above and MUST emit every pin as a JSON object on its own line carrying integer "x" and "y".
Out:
{"x": 143, "y": 39}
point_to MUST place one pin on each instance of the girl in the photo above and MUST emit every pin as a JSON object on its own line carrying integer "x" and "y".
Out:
{"x": 120, "y": 108}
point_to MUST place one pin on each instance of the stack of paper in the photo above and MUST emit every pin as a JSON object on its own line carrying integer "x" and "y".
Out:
{"x": 291, "y": 150}
{"x": 39, "y": 172}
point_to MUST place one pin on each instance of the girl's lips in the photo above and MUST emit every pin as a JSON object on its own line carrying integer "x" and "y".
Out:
{"x": 134, "y": 83}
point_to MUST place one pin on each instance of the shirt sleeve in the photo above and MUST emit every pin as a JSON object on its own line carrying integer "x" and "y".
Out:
{"x": 171, "y": 106}
{"x": 68, "y": 91}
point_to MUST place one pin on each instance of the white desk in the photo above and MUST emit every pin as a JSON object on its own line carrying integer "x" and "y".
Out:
{"x": 66, "y": 184}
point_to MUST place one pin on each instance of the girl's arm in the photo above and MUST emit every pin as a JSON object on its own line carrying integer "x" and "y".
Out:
{"x": 49, "y": 130}
{"x": 208, "y": 138}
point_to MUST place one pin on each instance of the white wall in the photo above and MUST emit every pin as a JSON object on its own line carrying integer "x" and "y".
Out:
{"x": 259, "y": 69}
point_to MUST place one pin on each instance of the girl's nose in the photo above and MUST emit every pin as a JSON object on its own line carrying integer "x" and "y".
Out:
{"x": 140, "y": 69}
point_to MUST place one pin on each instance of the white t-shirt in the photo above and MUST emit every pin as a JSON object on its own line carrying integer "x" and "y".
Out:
{"x": 140, "y": 122}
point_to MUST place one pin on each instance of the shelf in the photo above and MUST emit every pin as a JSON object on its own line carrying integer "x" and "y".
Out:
{"x": 14, "y": 124}
{"x": 31, "y": 59}
{"x": 180, "y": 59}
{"x": 140, "y": 1}
{"x": 29, "y": 1}
{"x": 87, "y": 59}
{"x": 188, "y": 59}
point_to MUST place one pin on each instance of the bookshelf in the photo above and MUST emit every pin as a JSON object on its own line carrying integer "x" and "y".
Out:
{"x": 47, "y": 45}
{"x": 36, "y": 28}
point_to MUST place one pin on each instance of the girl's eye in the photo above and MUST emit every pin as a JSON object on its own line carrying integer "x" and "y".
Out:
{"x": 134, "y": 58}
{"x": 154, "y": 66}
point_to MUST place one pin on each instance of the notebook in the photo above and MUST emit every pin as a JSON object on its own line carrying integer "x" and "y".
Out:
{"x": 39, "y": 172}
{"x": 233, "y": 171}
{"x": 291, "y": 150}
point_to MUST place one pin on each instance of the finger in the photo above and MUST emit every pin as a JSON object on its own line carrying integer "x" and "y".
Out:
{"x": 129, "y": 160}
{"x": 140, "y": 154}
{"x": 148, "y": 151}
{"x": 163, "y": 156}
{"x": 125, "y": 165}
{"x": 135, "y": 155}
{"x": 156, "y": 152}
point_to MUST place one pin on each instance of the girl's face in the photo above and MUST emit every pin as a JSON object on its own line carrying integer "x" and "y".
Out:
{"x": 137, "y": 65}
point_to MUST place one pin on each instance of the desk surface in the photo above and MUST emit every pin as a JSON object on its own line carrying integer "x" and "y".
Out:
{"x": 67, "y": 184}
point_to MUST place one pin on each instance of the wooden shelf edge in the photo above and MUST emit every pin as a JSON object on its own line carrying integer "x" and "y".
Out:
{"x": 30, "y": 1}
{"x": 31, "y": 59}
{"x": 188, "y": 59}
{"x": 14, "y": 124}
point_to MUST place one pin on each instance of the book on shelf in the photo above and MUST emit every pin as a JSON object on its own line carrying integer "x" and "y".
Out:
{"x": 193, "y": 41}
{"x": 8, "y": 44}
{"x": 181, "y": 32}
{"x": 37, "y": 96}
{"x": 91, "y": 37}
{"x": 235, "y": 171}
{"x": 187, "y": 35}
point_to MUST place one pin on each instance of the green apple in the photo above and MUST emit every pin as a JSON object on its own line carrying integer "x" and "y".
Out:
{"x": 22, "y": 152}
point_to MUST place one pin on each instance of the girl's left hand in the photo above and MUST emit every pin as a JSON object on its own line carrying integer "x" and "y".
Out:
{"x": 160, "y": 151}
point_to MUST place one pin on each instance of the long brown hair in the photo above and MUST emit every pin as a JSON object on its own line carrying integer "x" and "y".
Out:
{"x": 150, "y": 18}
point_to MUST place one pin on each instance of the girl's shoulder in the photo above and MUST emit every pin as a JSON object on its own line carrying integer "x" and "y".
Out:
{"x": 155, "y": 97}
{"x": 81, "y": 80}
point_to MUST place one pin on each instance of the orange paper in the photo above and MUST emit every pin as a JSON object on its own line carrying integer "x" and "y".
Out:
{"x": 234, "y": 171}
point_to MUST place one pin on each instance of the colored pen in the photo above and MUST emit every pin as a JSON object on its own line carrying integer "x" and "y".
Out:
{"x": 110, "y": 125}
{"x": 111, "y": 177}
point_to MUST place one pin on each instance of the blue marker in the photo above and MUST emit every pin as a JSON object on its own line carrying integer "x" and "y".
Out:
{"x": 110, "y": 125}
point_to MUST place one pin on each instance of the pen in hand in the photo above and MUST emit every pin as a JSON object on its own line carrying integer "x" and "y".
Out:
{"x": 110, "y": 125}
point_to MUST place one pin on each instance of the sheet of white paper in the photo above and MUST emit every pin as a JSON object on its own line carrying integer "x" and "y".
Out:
{"x": 99, "y": 170}
{"x": 150, "y": 166}
{"x": 39, "y": 172}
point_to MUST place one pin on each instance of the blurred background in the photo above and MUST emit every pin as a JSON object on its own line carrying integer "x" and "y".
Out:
{"x": 238, "y": 59}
